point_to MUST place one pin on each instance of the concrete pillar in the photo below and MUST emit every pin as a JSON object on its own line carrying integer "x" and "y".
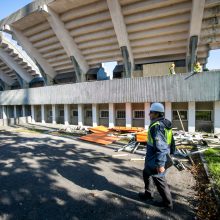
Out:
{"x": 111, "y": 115}
{"x": 146, "y": 115}
{"x": 54, "y": 114}
{"x": 43, "y": 114}
{"x": 168, "y": 111}
{"x": 192, "y": 116}
{"x": 66, "y": 114}
{"x": 4, "y": 115}
{"x": 15, "y": 112}
{"x": 217, "y": 116}
{"x": 80, "y": 115}
{"x": 4, "y": 112}
{"x": 128, "y": 111}
{"x": 23, "y": 111}
{"x": 95, "y": 115}
{"x": 32, "y": 114}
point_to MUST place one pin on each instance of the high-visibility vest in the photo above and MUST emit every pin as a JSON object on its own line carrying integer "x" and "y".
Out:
{"x": 168, "y": 135}
{"x": 197, "y": 69}
{"x": 172, "y": 70}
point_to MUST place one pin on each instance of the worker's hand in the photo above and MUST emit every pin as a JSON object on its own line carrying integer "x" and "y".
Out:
{"x": 160, "y": 169}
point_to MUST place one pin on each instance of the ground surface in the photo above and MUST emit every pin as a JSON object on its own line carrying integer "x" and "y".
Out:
{"x": 47, "y": 177}
{"x": 213, "y": 159}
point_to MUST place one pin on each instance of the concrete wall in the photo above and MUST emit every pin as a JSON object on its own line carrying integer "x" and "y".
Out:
{"x": 137, "y": 73}
{"x": 87, "y": 120}
{"x": 37, "y": 113}
{"x": 73, "y": 119}
{"x": 156, "y": 69}
{"x": 60, "y": 118}
{"x": 119, "y": 122}
{"x": 48, "y": 115}
{"x": 137, "y": 122}
{"x": 176, "y": 123}
{"x": 205, "y": 125}
{"x": 12, "y": 121}
{"x": 103, "y": 121}
{"x": 143, "y": 89}
{"x": 180, "y": 70}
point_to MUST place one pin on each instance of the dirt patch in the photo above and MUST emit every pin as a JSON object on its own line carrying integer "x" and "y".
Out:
{"x": 206, "y": 208}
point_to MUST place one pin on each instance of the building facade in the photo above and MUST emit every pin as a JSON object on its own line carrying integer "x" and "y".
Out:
{"x": 121, "y": 102}
{"x": 69, "y": 41}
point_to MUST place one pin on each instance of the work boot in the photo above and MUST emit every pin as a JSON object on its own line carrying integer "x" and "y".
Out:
{"x": 145, "y": 196}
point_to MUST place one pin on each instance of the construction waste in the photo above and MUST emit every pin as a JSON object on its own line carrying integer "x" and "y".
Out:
{"x": 134, "y": 140}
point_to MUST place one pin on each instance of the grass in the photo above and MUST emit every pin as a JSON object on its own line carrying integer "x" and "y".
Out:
{"x": 213, "y": 159}
{"x": 29, "y": 130}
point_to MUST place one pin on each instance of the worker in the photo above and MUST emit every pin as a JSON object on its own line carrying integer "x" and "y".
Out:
{"x": 172, "y": 69}
{"x": 197, "y": 68}
{"x": 160, "y": 145}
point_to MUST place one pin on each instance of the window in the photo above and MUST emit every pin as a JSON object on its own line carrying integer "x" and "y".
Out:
{"x": 61, "y": 113}
{"x": 120, "y": 114}
{"x": 104, "y": 114}
{"x": 50, "y": 113}
{"x": 75, "y": 113}
{"x": 204, "y": 115}
{"x": 183, "y": 115}
{"x": 88, "y": 113}
{"x": 138, "y": 114}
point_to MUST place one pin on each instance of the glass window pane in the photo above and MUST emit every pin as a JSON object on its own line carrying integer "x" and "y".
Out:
{"x": 61, "y": 113}
{"x": 204, "y": 115}
{"x": 183, "y": 115}
{"x": 88, "y": 113}
{"x": 120, "y": 114}
{"x": 104, "y": 114}
{"x": 75, "y": 113}
{"x": 138, "y": 114}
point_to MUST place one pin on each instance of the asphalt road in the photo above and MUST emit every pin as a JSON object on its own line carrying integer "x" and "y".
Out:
{"x": 47, "y": 177}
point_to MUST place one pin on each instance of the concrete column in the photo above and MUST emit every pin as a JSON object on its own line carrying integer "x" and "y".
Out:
{"x": 32, "y": 114}
{"x": 146, "y": 115}
{"x": 23, "y": 111}
{"x": 54, "y": 114}
{"x": 15, "y": 112}
{"x": 66, "y": 114}
{"x": 80, "y": 115}
{"x": 128, "y": 111}
{"x": 111, "y": 115}
{"x": 95, "y": 115}
{"x": 43, "y": 114}
{"x": 4, "y": 115}
{"x": 217, "y": 116}
{"x": 192, "y": 116}
{"x": 168, "y": 111}
{"x": 4, "y": 112}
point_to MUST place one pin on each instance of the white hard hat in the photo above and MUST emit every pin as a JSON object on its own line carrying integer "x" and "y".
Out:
{"x": 157, "y": 107}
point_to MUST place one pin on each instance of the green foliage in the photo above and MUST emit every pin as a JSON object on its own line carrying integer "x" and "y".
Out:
{"x": 213, "y": 159}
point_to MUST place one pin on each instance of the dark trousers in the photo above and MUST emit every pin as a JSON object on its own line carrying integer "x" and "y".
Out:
{"x": 159, "y": 180}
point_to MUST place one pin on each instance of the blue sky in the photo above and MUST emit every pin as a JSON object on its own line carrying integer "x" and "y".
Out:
{"x": 9, "y": 6}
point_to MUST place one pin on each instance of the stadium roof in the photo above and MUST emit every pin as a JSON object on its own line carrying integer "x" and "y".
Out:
{"x": 94, "y": 31}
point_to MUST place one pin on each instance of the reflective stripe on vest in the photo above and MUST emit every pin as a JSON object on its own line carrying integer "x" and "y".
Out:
{"x": 168, "y": 135}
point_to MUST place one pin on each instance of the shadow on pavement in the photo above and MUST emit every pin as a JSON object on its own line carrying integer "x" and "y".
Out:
{"x": 47, "y": 178}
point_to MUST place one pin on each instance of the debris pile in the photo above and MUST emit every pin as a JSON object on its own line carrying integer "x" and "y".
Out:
{"x": 105, "y": 136}
{"x": 74, "y": 130}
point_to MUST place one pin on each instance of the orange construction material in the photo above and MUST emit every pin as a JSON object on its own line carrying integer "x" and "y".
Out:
{"x": 127, "y": 129}
{"x": 141, "y": 137}
{"x": 99, "y": 129}
{"x": 100, "y": 138}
